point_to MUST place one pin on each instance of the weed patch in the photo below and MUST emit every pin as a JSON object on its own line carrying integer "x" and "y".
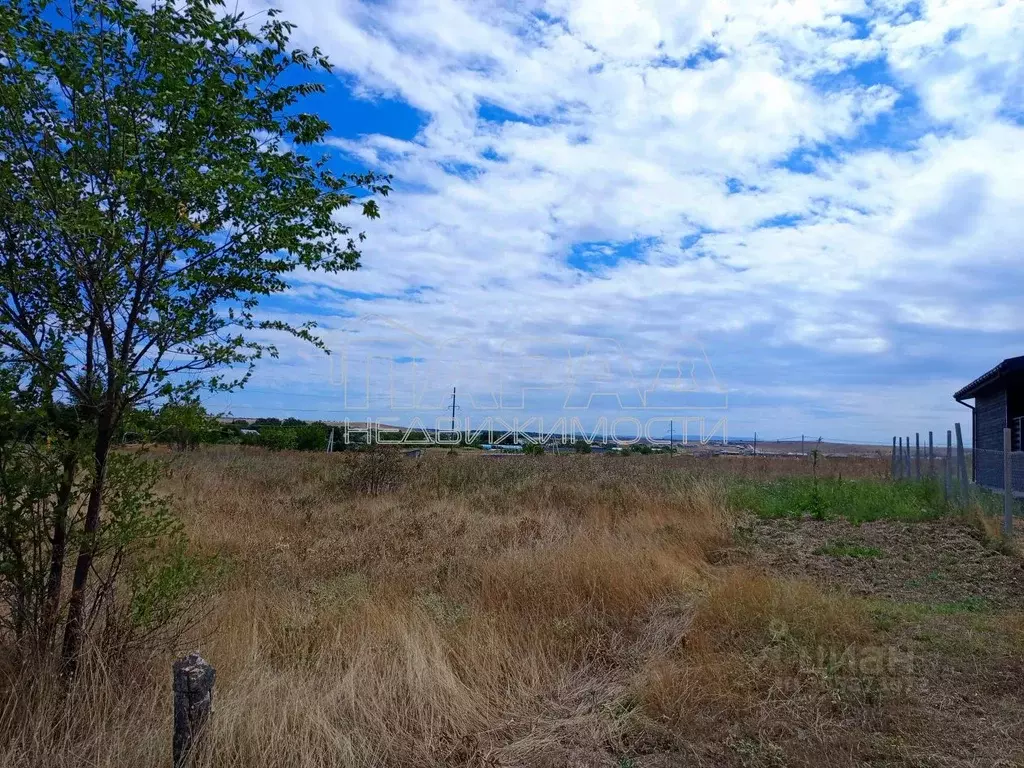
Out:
{"x": 858, "y": 501}
{"x": 887, "y": 613}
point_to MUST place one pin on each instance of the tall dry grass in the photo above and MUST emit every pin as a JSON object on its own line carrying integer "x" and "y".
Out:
{"x": 474, "y": 611}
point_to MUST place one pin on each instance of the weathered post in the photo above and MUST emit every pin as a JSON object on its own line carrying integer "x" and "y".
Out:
{"x": 892, "y": 469}
{"x": 1007, "y": 483}
{"x": 906, "y": 465}
{"x": 899, "y": 463}
{"x": 931, "y": 455}
{"x": 917, "y": 456}
{"x": 947, "y": 464}
{"x": 193, "y": 703}
{"x": 961, "y": 464}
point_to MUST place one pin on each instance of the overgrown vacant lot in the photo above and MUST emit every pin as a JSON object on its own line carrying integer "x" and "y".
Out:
{"x": 593, "y": 610}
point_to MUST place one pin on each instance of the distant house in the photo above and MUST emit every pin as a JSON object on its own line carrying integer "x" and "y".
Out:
{"x": 998, "y": 403}
{"x": 248, "y": 431}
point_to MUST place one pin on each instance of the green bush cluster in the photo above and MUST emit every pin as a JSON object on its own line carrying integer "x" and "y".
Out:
{"x": 147, "y": 585}
{"x": 187, "y": 424}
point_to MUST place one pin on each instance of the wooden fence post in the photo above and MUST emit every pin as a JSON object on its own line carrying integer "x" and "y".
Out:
{"x": 917, "y": 456}
{"x": 892, "y": 469}
{"x": 1007, "y": 482}
{"x": 906, "y": 462}
{"x": 193, "y": 703}
{"x": 947, "y": 464}
{"x": 899, "y": 462}
{"x": 931, "y": 454}
{"x": 961, "y": 464}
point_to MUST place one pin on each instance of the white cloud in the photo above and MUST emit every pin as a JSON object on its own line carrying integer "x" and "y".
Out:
{"x": 964, "y": 58}
{"x": 657, "y": 121}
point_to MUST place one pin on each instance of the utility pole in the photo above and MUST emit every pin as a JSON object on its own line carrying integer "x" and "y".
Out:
{"x": 453, "y": 409}
{"x": 452, "y": 448}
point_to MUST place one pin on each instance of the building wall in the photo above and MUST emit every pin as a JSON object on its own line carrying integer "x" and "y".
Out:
{"x": 989, "y": 422}
{"x": 1015, "y": 410}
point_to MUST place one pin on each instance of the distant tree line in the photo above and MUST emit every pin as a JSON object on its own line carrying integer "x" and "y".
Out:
{"x": 187, "y": 424}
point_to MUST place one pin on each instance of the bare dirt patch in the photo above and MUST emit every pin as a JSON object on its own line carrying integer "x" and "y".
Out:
{"x": 945, "y": 603}
{"x": 940, "y": 562}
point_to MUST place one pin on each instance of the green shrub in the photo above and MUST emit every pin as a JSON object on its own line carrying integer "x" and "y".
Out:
{"x": 184, "y": 423}
{"x": 312, "y": 437}
{"x": 252, "y": 439}
{"x": 147, "y": 589}
{"x": 277, "y": 438}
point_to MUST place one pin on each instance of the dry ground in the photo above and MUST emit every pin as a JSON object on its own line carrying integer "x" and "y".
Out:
{"x": 946, "y": 600}
{"x": 938, "y": 562}
{"x": 559, "y": 611}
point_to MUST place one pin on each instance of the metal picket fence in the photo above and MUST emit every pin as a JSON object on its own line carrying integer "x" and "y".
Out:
{"x": 993, "y": 467}
{"x": 962, "y": 470}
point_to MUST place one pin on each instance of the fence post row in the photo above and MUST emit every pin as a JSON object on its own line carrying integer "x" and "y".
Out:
{"x": 956, "y": 484}
{"x": 1007, "y": 482}
{"x": 193, "y": 703}
{"x": 900, "y": 464}
{"x": 961, "y": 464}
{"x": 947, "y": 465}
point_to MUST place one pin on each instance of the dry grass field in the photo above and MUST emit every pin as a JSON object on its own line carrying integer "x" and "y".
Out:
{"x": 557, "y": 611}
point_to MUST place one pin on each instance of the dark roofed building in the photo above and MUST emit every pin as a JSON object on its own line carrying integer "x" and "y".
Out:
{"x": 998, "y": 403}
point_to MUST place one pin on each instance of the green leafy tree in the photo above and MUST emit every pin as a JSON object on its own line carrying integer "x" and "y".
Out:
{"x": 278, "y": 438}
{"x": 533, "y": 449}
{"x": 138, "y": 425}
{"x": 154, "y": 190}
{"x": 183, "y": 423}
{"x": 145, "y": 583}
{"x": 38, "y": 486}
{"x": 313, "y": 437}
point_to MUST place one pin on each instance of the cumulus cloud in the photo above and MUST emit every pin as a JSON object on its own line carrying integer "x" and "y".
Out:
{"x": 821, "y": 192}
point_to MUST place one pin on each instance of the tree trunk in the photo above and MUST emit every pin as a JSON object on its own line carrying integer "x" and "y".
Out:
{"x": 58, "y": 550}
{"x": 74, "y": 630}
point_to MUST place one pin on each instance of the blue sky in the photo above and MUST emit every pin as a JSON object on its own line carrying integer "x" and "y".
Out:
{"x": 812, "y": 209}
